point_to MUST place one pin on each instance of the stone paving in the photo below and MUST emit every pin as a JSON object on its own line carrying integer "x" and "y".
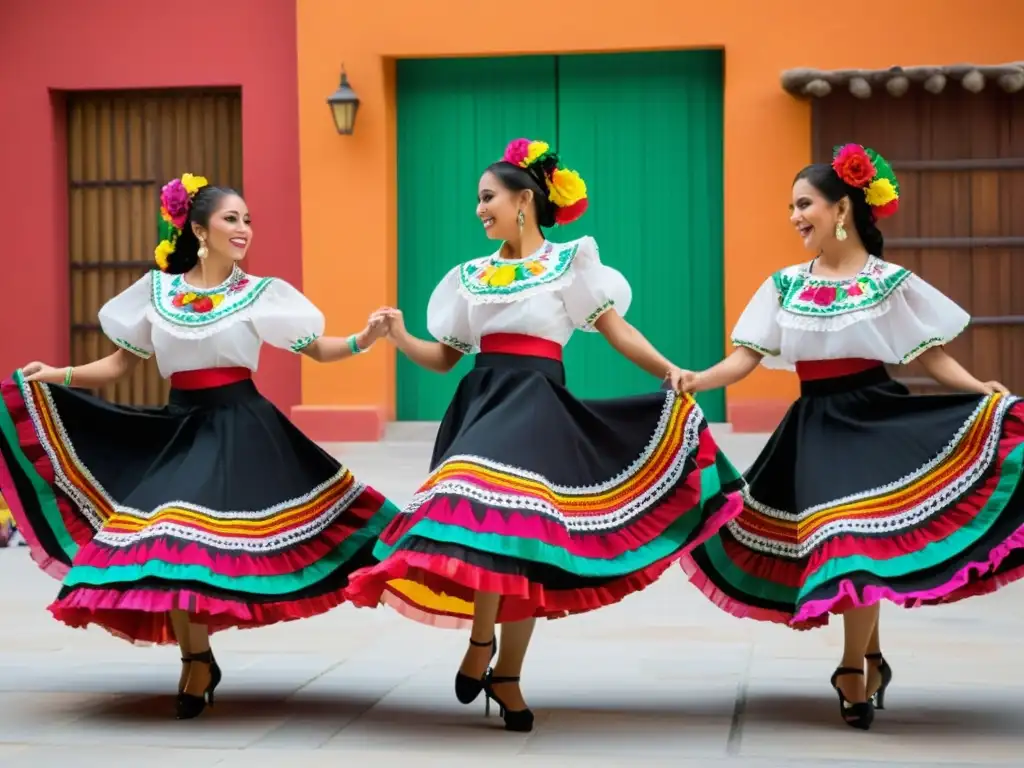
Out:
{"x": 663, "y": 678}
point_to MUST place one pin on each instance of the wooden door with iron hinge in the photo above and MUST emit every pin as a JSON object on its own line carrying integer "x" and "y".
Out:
{"x": 122, "y": 147}
{"x": 959, "y": 158}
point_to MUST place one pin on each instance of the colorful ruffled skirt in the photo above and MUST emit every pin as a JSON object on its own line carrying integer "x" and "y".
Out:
{"x": 214, "y": 504}
{"x": 559, "y": 505}
{"x": 867, "y": 493}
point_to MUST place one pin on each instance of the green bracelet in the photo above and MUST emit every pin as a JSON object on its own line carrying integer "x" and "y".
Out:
{"x": 67, "y": 375}
{"x": 353, "y": 345}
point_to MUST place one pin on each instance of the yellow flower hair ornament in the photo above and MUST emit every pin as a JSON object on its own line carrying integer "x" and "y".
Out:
{"x": 175, "y": 203}
{"x": 865, "y": 169}
{"x": 566, "y": 189}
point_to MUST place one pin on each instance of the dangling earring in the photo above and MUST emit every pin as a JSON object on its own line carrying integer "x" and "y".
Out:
{"x": 840, "y": 231}
{"x": 201, "y": 253}
{"x": 521, "y": 220}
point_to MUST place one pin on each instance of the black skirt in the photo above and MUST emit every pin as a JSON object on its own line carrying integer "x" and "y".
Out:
{"x": 867, "y": 493}
{"x": 215, "y": 504}
{"x": 559, "y": 505}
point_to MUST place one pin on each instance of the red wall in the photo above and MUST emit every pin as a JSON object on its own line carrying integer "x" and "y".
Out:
{"x": 50, "y": 46}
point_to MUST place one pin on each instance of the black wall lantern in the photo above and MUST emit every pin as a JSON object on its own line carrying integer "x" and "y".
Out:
{"x": 344, "y": 104}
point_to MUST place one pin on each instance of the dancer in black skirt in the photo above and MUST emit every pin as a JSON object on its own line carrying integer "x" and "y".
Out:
{"x": 214, "y": 511}
{"x": 864, "y": 493}
{"x": 539, "y": 504}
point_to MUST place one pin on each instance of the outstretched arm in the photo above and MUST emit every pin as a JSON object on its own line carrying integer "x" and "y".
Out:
{"x": 740, "y": 364}
{"x": 632, "y": 345}
{"x": 432, "y": 355}
{"x": 330, "y": 349}
{"x": 941, "y": 366}
{"x": 94, "y": 375}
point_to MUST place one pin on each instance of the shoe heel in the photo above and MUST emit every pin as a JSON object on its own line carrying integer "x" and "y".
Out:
{"x": 215, "y": 677}
{"x": 885, "y": 673}
{"x": 520, "y": 720}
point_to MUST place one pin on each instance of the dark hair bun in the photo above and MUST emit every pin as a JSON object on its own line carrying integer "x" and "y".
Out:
{"x": 185, "y": 245}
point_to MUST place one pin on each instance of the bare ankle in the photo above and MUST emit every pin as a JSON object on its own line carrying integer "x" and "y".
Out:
{"x": 506, "y": 670}
{"x": 853, "y": 663}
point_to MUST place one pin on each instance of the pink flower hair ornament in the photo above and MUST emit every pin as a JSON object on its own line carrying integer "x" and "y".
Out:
{"x": 175, "y": 203}
{"x": 566, "y": 189}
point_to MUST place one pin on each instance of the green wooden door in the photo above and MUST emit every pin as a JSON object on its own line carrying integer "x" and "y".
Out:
{"x": 645, "y": 132}
{"x": 455, "y": 117}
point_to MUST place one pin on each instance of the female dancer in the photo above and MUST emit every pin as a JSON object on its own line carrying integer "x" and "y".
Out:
{"x": 864, "y": 492}
{"x": 214, "y": 511}
{"x": 538, "y": 504}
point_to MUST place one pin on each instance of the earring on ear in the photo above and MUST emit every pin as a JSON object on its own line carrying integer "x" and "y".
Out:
{"x": 521, "y": 220}
{"x": 202, "y": 252}
{"x": 840, "y": 231}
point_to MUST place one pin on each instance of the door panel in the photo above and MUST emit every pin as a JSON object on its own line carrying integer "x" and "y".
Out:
{"x": 645, "y": 132}
{"x": 455, "y": 117}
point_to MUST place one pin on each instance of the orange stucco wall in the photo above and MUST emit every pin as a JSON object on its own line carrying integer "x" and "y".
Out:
{"x": 348, "y": 182}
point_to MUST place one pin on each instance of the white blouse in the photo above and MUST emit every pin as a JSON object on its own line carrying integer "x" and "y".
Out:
{"x": 884, "y": 313}
{"x": 191, "y": 328}
{"x": 548, "y": 294}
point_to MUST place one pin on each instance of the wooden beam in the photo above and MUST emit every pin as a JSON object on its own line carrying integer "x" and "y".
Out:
{"x": 142, "y": 264}
{"x": 109, "y": 183}
{"x": 951, "y": 243}
{"x": 807, "y": 82}
{"x": 998, "y": 320}
{"x": 967, "y": 164}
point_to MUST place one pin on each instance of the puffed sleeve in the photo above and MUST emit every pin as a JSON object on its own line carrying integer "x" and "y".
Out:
{"x": 758, "y": 327}
{"x": 286, "y": 319}
{"x": 921, "y": 317}
{"x": 595, "y": 288}
{"x": 125, "y": 318}
{"x": 448, "y": 316}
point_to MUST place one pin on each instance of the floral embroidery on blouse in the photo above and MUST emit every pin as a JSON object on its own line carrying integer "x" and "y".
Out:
{"x": 592, "y": 317}
{"x": 456, "y": 344}
{"x": 178, "y": 302}
{"x": 802, "y": 293}
{"x": 495, "y": 276}
{"x": 756, "y": 347}
{"x": 924, "y": 346}
{"x": 135, "y": 350}
{"x": 301, "y": 343}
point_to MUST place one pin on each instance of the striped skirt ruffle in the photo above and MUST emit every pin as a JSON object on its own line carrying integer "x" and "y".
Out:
{"x": 215, "y": 504}
{"x": 558, "y": 505}
{"x": 866, "y": 493}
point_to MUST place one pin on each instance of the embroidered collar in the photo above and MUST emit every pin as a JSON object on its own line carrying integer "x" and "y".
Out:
{"x": 182, "y": 304}
{"x": 494, "y": 277}
{"x": 802, "y": 292}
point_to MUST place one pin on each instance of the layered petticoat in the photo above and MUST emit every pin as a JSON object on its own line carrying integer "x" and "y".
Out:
{"x": 215, "y": 504}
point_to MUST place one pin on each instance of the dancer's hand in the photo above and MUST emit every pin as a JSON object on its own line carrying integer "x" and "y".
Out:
{"x": 991, "y": 387}
{"x": 376, "y": 328}
{"x": 681, "y": 380}
{"x": 36, "y": 371}
{"x": 395, "y": 321}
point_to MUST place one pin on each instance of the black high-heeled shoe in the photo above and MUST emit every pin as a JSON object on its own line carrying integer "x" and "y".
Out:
{"x": 520, "y": 720}
{"x": 885, "y": 672}
{"x": 190, "y": 706}
{"x": 855, "y": 714}
{"x": 185, "y": 660}
{"x": 468, "y": 688}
